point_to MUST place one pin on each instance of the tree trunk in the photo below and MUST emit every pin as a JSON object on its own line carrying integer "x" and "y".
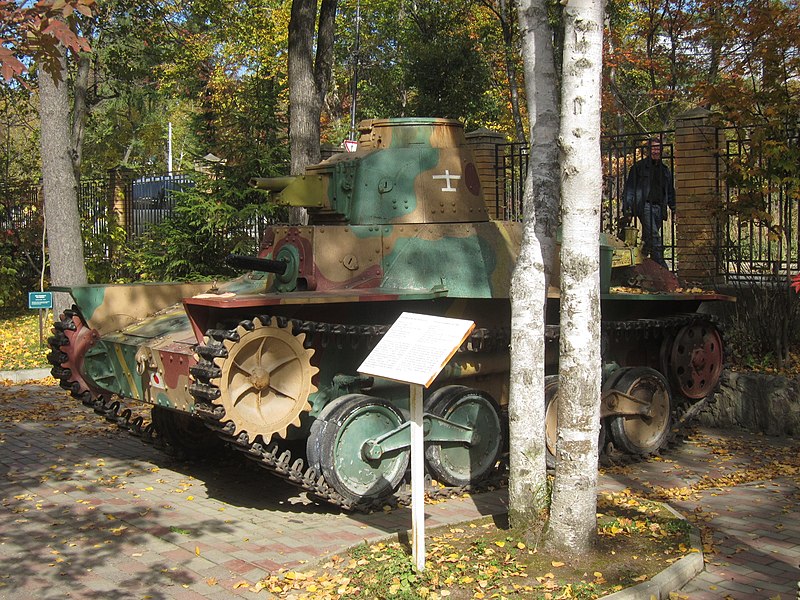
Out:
{"x": 528, "y": 494}
{"x": 80, "y": 108}
{"x": 573, "y": 522}
{"x": 309, "y": 77}
{"x": 65, "y": 245}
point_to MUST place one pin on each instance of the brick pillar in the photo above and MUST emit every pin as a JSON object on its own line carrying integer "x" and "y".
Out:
{"x": 483, "y": 143}
{"x": 697, "y": 145}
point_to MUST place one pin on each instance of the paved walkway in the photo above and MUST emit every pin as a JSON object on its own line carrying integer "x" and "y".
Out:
{"x": 90, "y": 512}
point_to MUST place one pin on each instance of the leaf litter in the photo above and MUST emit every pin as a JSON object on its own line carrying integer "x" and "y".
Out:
{"x": 475, "y": 560}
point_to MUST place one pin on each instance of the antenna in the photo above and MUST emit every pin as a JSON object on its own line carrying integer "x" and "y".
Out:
{"x": 355, "y": 72}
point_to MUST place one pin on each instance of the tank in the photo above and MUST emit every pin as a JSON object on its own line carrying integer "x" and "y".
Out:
{"x": 267, "y": 363}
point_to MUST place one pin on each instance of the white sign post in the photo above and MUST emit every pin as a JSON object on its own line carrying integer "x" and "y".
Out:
{"x": 414, "y": 351}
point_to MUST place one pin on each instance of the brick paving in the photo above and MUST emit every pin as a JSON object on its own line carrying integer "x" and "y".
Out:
{"x": 751, "y": 531}
{"x": 87, "y": 511}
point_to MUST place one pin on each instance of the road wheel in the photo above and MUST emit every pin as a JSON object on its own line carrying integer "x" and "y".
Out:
{"x": 458, "y": 462}
{"x": 637, "y": 434}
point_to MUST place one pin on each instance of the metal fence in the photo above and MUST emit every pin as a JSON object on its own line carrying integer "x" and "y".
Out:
{"x": 760, "y": 221}
{"x": 759, "y": 218}
{"x": 133, "y": 202}
{"x": 20, "y": 207}
{"x": 619, "y": 153}
{"x": 152, "y": 198}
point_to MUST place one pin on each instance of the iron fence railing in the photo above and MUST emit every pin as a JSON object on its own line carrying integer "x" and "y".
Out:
{"x": 760, "y": 222}
{"x": 133, "y": 202}
{"x": 20, "y": 206}
{"x": 619, "y": 153}
{"x": 152, "y": 198}
{"x": 511, "y": 164}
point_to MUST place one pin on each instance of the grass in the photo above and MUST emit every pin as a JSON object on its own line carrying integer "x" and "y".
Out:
{"x": 637, "y": 539}
{"x": 19, "y": 340}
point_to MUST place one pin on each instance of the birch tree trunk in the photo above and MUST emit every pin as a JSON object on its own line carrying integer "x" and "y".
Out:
{"x": 573, "y": 521}
{"x": 528, "y": 493}
{"x": 60, "y": 186}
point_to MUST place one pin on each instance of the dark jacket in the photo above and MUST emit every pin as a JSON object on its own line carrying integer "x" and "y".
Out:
{"x": 638, "y": 183}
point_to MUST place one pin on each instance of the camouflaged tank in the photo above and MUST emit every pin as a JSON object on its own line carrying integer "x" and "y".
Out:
{"x": 267, "y": 363}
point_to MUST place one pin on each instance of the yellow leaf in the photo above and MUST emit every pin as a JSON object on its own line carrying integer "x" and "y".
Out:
{"x": 197, "y": 550}
{"x": 240, "y": 584}
{"x": 190, "y": 497}
{"x": 500, "y": 543}
{"x": 556, "y": 563}
{"x": 521, "y": 546}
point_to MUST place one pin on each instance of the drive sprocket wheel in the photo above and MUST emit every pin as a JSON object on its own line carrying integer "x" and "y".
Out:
{"x": 265, "y": 380}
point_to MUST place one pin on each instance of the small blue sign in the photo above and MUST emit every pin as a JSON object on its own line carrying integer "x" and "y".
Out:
{"x": 40, "y": 300}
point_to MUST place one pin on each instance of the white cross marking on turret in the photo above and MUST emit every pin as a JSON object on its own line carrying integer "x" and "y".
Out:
{"x": 448, "y": 177}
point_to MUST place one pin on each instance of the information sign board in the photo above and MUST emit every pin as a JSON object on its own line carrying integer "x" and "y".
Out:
{"x": 40, "y": 300}
{"x": 416, "y": 348}
{"x": 414, "y": 351}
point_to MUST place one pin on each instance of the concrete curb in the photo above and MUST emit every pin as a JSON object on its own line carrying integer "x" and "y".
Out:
{"x": 673, "y": 577}
{"x": 24, "y": 375}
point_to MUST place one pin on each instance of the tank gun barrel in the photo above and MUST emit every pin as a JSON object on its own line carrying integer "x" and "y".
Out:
{"x": 253, "y": 263}
{"x": 273, "y": 184}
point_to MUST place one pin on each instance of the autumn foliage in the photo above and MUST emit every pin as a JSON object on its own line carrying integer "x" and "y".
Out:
{"x": 36, "y": 32}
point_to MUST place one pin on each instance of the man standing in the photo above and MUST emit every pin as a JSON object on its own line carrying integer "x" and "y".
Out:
{"x": 648, "y": 193}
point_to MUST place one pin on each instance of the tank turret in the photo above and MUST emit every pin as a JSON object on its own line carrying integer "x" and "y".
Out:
{"x": 404, "y": 171}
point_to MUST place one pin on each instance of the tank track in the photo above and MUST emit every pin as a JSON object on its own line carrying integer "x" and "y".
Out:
{"x": 112, "y": 410}
{"x": 273, "y": 456}
{"x": 685, "y": 409}
{"x": 276, "y": 458}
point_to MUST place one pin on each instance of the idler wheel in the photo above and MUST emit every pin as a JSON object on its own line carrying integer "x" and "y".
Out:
{"x": 694, "y": 360}
{"x": 346, "y": 441}
{"x": 265, "y": 380}
{"x": 638, "y": 434}
{"x": 457, "y": 462}
{"x": 69, "y": 356}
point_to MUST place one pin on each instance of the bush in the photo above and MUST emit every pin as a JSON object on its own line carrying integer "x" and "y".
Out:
{"x": 214, "y": 218}
{"x": 19, "y": 272}
{"x": 765, "y": 325}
